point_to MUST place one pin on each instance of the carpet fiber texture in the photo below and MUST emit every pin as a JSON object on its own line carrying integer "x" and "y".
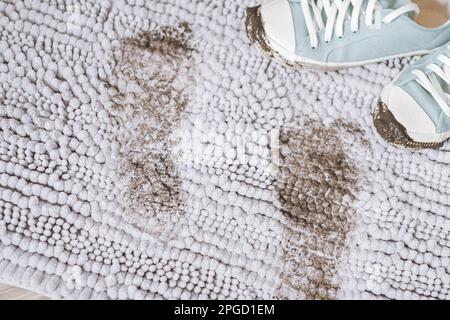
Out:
{"x": 147, "y": 151}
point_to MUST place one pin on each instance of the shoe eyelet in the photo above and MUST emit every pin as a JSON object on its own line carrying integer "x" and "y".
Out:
{"x": 314, "y": 48}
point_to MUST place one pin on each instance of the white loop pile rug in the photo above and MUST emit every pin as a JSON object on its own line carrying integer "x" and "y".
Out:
{"x": 148, "y": 151}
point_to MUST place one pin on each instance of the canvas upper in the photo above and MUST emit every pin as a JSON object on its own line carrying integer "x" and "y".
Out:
{"x": 413, "y": 105}
{"x": 287, "y": 33}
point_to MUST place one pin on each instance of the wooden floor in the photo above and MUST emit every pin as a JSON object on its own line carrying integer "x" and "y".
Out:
{"x": 13, "y": 293}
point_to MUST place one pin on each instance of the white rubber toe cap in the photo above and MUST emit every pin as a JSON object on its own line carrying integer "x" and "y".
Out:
{"x": 278, "y": 24}
{"x": 408, "y": 113}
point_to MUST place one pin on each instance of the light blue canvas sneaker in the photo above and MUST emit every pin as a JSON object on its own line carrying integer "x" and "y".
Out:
{"x": 334, "y": 34}
{"x": 413, "y": 111}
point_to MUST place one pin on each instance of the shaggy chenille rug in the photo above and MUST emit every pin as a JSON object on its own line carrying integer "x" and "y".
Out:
{"x": 147, "y": 150}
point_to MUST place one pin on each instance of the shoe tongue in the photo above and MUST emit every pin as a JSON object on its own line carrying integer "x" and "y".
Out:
{"x": 393, "y": 4}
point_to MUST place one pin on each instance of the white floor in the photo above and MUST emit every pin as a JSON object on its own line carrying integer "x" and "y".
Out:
{"x": 13, "y": 293}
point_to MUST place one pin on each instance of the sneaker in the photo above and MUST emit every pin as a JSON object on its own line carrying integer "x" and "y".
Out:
{"x": 413, "y": 111}
{"x": 335, "y": 34}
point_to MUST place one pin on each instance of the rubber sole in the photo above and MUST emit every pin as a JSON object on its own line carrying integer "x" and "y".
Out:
{"x": 257, "y": 36}
{"x": 394, "y": 132}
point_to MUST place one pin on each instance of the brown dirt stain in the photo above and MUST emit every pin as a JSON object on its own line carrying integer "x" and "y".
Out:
{"x": 394, "y": 132}
{"x": 153, "y": 76}
{"x": 317, "y": 183}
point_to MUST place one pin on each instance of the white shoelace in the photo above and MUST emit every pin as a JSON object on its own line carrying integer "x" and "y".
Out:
{"x": 337, "y": 12}
{"x": 431, "y": 84}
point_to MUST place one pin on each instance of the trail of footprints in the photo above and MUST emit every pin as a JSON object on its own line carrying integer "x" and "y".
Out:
{"x": 98, "y": 97}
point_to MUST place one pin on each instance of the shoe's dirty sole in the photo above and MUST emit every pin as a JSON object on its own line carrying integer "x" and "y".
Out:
{"x": 255, "y": 32}
{"x": 394, "y": 132}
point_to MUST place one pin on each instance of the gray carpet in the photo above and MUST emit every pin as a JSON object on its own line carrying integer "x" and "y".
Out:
{"x": 148, "y": 151}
